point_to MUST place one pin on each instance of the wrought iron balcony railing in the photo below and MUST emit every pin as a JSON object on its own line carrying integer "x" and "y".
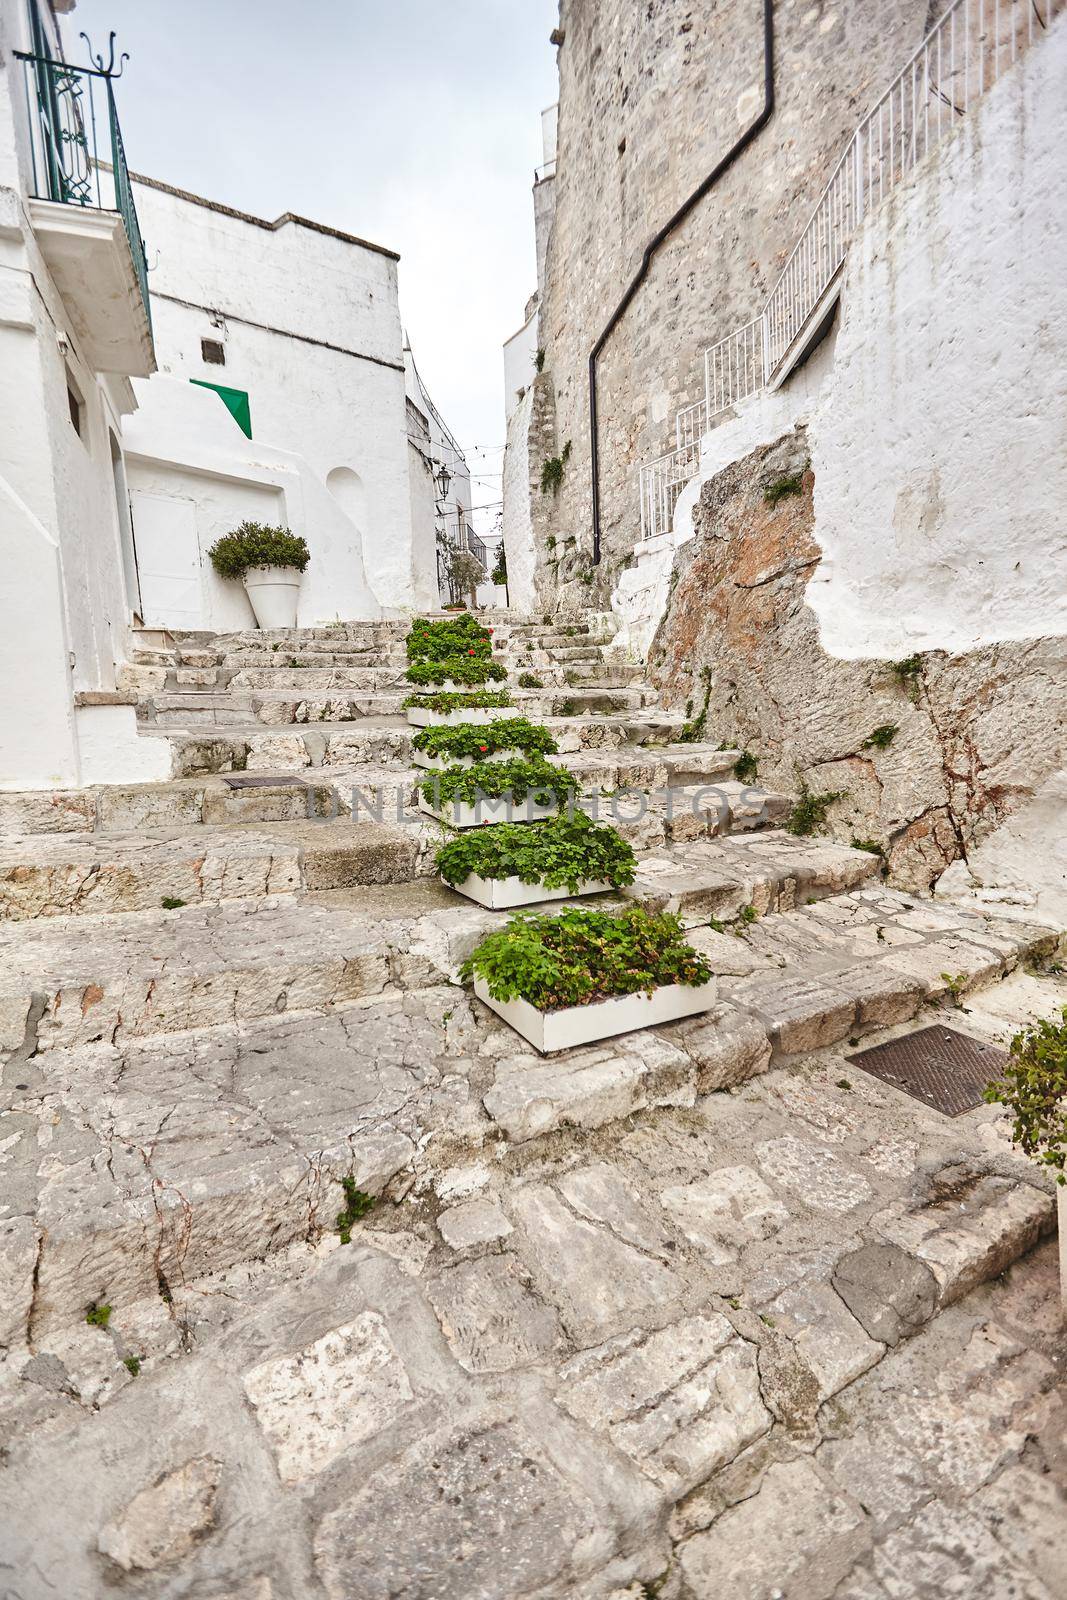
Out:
{"x": 77, "y": 154}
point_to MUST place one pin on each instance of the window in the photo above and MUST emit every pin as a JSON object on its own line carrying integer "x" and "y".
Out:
{"x": 75, "y": 405}
{"x": 212, "y": 352}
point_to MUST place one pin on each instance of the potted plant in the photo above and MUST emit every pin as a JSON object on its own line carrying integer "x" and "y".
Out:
{"x": 1034, "y": 1089}
{"x": 569, "y": 979}
{"x": 444, "y": 707}
{"x": 496, "y": 791}
{"x": 436, "y": 640}
{"x": 467, "y": 671}
{"x": 508, "y": 739}
{"x": 512, "y": 864}
{"x": 465, "y": 573}
{"x": 270, "y": 560}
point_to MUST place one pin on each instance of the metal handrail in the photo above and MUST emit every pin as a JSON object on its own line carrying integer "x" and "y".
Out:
{"x": 68, "y": 126}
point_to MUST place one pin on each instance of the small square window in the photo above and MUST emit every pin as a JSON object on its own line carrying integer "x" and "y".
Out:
{"x": 213, "y": 352}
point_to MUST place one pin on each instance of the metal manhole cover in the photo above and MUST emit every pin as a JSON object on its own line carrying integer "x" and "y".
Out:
{"x": 283, "y": 781}
{"x": 940, "y": 1067}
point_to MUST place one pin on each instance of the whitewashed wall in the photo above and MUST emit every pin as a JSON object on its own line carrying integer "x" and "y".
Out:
{"x": 937, "y": 411}
{"x": 940, "y": 445}
{"x": 64, "y": 608}
{"x": 310, "y": 325}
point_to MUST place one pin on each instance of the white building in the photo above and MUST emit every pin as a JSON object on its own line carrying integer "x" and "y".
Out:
{"x": 439, "y": 471}
{"x": 265, "y": 377}
{"x": 74, "y": 329}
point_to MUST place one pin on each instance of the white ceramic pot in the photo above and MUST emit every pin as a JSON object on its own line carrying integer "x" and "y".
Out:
{"x": 273, "y": 592}
{"x": 576, "y": 1025}
{"x": 420, "y": 717}
{"x": 443, "y": 763}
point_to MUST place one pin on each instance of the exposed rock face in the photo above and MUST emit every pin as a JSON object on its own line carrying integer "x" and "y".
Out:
{"x": 932, "y": 754}
{"x": 163, "y": 1522}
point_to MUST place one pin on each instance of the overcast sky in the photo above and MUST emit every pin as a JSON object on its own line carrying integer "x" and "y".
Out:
{"x": 414, "y": 123}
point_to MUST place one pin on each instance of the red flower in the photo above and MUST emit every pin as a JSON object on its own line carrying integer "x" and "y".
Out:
{"x": 483, "y": 747}
{"x": 470, "y": 652}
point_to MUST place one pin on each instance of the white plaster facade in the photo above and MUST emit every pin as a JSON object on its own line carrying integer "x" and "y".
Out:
{"x": 440, "y": 477}
{"x": 73, "y": 329}
{"x": 307, "y": 324}
{"x": 937, "y": 409}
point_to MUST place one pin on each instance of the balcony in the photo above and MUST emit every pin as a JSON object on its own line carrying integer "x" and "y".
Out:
{"x": 83, "y": 215}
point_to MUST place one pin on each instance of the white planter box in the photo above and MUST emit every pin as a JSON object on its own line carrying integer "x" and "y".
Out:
{"x": 461, "y": 814}
{"x": 419, "y": 717}
{"x": 442, "y": 763}
{"x": 576, "y": 1025}
{"x": 501, "y": 894}
{"x": 272, "y": 592}
{"x": 448, "y": 687}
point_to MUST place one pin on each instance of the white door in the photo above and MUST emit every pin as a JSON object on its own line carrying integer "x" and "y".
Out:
{"x": 168, "y": 560}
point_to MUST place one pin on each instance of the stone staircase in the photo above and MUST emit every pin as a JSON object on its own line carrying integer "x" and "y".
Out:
{"x": 223, "y": 996}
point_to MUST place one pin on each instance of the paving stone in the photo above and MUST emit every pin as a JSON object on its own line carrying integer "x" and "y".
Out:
{"x": 682, "y": 1402}
{"x": 949, "y": 1552}
{"x": 163, "y": 1522}
{"x": 765, "y": 1544}
{"x": 728, "y": 1047}
{"x": 600, "y": 1283}
{"x": 819, "y": 1177}
{"x": 890, "y": 1292}
{"x": 473, "y": 1223}
{"x": 329, "y": 1397}
{"x": 489, "y": 1315}
{"x": 799, "y": 1014}
{"x": 588, "y": 1088}
{"x": 829, "y": 1339}
{"x": 1026, "y": 1512}
{"x": 477, "y": 1512}
{"x": 721, "y": 1213}
{"x": 969, "y": 1237}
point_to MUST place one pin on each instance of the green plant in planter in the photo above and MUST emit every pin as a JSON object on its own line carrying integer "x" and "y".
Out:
{"x": 482, "y": 739}
{"x": 809, "y": 813}
{"x": 579, "y": 957}
{"x": 1034, "y": 1089}
{"x": 442, "y": 701}
{"x": 468, "y": 668}
{"x": 498, "y": 780}
{"x": 254, "y": 545}
{"x": 456, "y": 636}
{"x": 560, "y": 854}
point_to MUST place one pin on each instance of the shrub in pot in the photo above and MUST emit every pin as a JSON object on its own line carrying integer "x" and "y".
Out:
{"x": 434, "y": 641}
{"x": 270, "y": 561}
{"x": 491, "y": 791}
{"x": 583, "y": 975}
{"x": 514, "y": 864}
{"x": 1034, "y": 1089}
{"x": 466, "y": 670}
{"x": 465, "y": 744}
{"x": 445, "y": 707}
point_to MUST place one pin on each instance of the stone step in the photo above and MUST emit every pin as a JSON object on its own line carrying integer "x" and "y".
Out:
{"x": 276, "y": 708}
{"x": 141, "y": 1164}
{"x": 80, "y": 874}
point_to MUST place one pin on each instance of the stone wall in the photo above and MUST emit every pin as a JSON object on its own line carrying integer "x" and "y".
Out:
{"x": 651, "y": 97}
{"x": 929, "y": 756}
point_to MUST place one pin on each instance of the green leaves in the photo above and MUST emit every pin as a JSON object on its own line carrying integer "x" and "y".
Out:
{"x": 562, "y": 853}
{"x": 579, "y": 957}
{"x": 809, "y": 813}
{"x": 1034, "y": 1089}
{"x": 442, "y": 701}
{"x": 253, "y": 545}
{"x": 469, "y": 739}
{"x": 472, "y": 668}
{"x": 455, "y": 636}
{"x": 493, "y": 780}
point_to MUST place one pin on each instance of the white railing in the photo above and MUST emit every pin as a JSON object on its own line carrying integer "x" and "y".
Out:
{"x": 690, "y": 426}
{"x": 962, "y": 56}
{"x": 662, "y": 481}
{"x": 734, "y": 367}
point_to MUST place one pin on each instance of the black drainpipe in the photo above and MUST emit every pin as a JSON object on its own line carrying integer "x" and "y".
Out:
{"x": 650, "y": 250}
